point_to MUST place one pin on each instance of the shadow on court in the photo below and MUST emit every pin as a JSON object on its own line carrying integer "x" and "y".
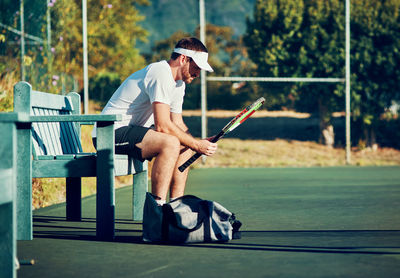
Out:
{"x": 297, "y": 222}
{"x": 351, "y": 241}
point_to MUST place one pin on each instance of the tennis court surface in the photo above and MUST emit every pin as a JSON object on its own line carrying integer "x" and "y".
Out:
{"x": 297, "y": 222}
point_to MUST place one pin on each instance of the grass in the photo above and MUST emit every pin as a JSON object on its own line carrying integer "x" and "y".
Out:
{"x": 284, "y": 153}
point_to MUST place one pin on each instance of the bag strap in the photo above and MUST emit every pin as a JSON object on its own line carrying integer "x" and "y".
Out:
{"x": 169, "y": 218}
{"x": 236, "y": 224}
{"x": 166, "y": 218}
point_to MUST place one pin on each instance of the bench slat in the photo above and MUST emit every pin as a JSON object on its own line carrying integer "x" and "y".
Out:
{"x": 40, "y": 134}
{"x": 83, "y": 119}
{"x": 61, "y": 168}
{"x": 65, "y": 156}
{"x": 71, "y": 136}
{"x": 48, "y": 139}
{"x": 37, "y": 143}
{"x": 54, "y": 134}
{"x": 51, "y": 101}
{"x": 67, "y": 144}
{"x": 43, "y": 135}
{"x": 45, "y": 157}
{"x": 55, "y": 138}
{"x": 56, "y": 131}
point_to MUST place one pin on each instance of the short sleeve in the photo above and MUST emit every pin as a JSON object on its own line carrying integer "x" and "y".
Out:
{"x": 159, "y": 89}
{"x": 177, "y": 97}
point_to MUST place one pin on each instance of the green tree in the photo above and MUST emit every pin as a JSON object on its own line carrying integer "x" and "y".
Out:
{"x": 375, "y": 44}
{"x": 228, "y": 57}
{"x": 113, "y": 30}
{"x": 10, "y": 50}
{"x": 290, "y": 38}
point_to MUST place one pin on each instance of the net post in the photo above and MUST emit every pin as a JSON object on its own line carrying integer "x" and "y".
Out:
{"x": 348, "y": 140}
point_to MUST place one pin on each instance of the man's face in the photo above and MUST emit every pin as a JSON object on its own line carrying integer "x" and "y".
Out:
{"x": 190, "y": 71}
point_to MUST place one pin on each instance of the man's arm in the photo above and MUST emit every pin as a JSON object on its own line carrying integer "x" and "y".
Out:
{"x": 172, "y": 123}
{"x": 178, "y": 120}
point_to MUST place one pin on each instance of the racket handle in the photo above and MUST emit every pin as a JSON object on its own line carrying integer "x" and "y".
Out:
{"x": 197, "y": 155}
{"x": 189, "y": 162}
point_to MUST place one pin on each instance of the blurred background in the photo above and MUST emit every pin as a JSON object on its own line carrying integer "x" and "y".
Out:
{"x": 251, "y": 38}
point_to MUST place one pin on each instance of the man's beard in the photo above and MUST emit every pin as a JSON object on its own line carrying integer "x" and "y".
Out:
{"x": 186, "y": 76}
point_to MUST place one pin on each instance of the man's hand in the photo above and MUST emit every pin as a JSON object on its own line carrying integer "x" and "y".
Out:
{"x": 206, "y": 147}
{"x": 172, "y": 123}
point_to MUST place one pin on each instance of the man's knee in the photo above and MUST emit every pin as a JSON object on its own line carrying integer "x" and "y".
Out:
{"x": 171, "y": 144}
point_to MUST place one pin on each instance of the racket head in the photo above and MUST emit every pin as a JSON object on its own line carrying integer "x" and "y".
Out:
{"x": 235, "y": 122}
{"x": 243, "y": 115}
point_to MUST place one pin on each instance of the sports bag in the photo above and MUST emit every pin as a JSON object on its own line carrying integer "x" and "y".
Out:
{"x": 188, "y": 219}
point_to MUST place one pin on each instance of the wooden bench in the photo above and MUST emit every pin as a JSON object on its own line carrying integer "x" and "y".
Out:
{"x": 51, "y": 147}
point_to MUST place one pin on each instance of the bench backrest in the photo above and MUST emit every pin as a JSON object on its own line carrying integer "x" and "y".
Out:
{"x": 53, "y": 138}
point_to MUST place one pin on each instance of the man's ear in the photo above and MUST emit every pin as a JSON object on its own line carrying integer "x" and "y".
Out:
{"x": 182, "y": 59}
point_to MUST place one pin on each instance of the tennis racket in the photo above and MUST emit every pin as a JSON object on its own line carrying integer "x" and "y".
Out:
{"x": 234, "y": 123}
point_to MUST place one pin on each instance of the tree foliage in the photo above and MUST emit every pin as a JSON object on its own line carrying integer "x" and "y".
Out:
{"x": 284, "y": 38}
{"x": 375, "y": 60}
{"x": 292, "y": 38}
{"x": 113, "y": 31}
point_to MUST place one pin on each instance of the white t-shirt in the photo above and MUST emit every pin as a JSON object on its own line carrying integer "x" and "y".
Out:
{"x": 135, "y": 96}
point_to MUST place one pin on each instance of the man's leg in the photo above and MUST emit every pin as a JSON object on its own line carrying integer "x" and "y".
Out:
{"x": 179, "y": 178}
{"x": 165, "y": 148}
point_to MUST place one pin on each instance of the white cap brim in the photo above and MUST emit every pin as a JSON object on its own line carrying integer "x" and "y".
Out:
{"x": 199, "y": 57}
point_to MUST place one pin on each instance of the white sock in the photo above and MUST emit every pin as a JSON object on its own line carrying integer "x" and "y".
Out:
{"x": 173, "y": 199}
{"x": 160, "y": 202}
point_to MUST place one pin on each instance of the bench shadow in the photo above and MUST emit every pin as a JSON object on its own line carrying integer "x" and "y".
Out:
{"x": 58, "y": 227}
{"x": 367, "y": 242}
{"x": 386, "y": 242}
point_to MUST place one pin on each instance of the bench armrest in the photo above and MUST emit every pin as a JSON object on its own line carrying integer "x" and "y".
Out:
{"x": 14, "y": 117}
{"x": 76, "y": 118}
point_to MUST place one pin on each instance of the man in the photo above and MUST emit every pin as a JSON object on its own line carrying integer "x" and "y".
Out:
{"x": 151, "y": 100}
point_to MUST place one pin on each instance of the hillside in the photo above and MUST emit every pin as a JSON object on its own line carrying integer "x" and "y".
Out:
{"x": 164, "y": 17}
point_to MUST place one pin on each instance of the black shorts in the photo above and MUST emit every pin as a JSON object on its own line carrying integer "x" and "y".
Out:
{"x": 126, "y": 139}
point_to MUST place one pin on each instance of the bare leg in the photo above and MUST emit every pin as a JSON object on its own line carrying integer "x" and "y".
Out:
{"x": 165, "y": 148}
{"x": 179, "y": 178}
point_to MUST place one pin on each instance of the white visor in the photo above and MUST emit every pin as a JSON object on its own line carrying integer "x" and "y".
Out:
{"x": 199, "y": 57}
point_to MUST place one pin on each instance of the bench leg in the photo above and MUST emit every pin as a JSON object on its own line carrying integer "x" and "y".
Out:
{"x": 105, "y": 203}
{"x": 7, "y": 240}
{"x": 8, "y": 227}
{"x": 24, "y": 182}
{"x": 74, "y": 200}
{"x": 105, "y": 197}
{"x": 140, "y": 187}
